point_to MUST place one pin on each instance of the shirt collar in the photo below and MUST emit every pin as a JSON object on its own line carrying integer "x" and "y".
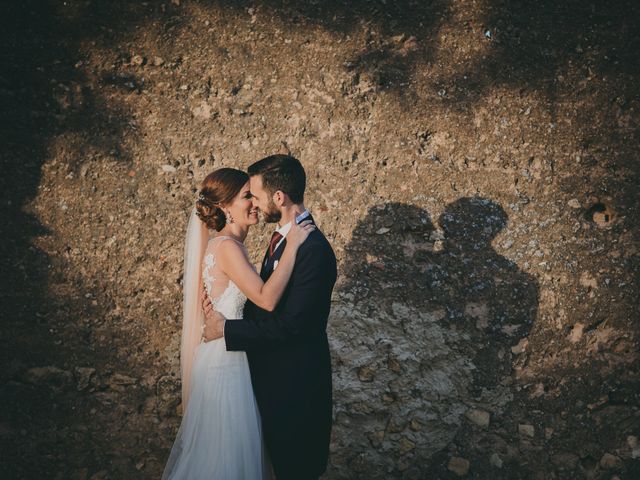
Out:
{"x": 283, "y": 230}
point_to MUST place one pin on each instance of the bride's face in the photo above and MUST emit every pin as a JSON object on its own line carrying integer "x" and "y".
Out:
{"x": 241, "y": 208}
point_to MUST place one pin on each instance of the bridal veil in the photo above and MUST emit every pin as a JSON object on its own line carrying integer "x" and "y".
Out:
{"x": 192, "y": 313}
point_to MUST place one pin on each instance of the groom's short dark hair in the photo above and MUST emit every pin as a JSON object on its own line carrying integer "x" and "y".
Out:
{"x": 281, "y": 172}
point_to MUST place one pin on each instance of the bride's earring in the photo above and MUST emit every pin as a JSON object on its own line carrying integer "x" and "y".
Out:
{"x": 228, "y": 217}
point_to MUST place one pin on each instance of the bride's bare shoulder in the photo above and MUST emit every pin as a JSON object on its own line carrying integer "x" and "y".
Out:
{"x": 230, "y": 248}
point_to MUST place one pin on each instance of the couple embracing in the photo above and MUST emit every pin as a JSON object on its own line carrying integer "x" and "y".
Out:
{"x": 255, "y": 364}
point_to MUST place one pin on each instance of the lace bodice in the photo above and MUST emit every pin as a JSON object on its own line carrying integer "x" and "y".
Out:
{"x": 225, "y": 295}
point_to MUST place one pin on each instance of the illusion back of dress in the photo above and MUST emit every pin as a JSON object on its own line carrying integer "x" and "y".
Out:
{"x": 225, "y": 296}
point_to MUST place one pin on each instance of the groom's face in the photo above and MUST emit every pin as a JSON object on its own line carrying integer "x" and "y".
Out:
{"x": 263, "y": 200}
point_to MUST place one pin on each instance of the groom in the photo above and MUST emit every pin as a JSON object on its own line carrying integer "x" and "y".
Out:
{"x": 287, "y": 349}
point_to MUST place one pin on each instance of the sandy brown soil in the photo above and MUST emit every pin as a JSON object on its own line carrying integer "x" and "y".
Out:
{"x": 474, "y": 163}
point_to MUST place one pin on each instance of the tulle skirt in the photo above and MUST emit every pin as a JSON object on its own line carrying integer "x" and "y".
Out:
{"x": 220, "y": 435}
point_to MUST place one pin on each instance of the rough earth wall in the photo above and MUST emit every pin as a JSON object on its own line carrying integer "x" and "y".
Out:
{"x": 474, "y": 164}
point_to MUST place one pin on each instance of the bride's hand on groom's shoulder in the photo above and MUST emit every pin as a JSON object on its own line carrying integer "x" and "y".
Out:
{"x": 299, "y": 233}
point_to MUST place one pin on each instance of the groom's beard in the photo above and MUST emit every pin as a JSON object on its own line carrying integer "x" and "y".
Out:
{"x": 273, "y": 215}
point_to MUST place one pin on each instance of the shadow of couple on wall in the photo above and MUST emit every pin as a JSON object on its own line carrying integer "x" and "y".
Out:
{"x": 422, "y": 331}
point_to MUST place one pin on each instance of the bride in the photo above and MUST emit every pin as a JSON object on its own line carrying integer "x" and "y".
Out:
{"x": 220, "y": 435}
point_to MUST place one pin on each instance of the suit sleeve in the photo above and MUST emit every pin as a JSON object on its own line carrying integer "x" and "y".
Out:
{"x": 301, "y": 315}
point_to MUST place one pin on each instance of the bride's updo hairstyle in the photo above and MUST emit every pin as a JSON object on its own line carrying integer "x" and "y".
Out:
{"x": 218, "y": 188}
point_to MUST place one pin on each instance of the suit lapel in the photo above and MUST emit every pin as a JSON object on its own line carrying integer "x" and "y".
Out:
{"x": 263, "y": 266}
{"x": 270, "y": 261}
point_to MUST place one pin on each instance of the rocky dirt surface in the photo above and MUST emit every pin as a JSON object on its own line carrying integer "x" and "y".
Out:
{"x": 473, "y": 162}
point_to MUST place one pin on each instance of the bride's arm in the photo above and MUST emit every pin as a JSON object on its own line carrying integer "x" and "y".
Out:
{"x": 234, "y": 263}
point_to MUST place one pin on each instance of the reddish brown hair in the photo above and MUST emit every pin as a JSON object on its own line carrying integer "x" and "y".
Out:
{"x": 218, "y": 188}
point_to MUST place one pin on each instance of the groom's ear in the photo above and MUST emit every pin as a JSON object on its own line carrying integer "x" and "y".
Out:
{"x": 279, "y": 198}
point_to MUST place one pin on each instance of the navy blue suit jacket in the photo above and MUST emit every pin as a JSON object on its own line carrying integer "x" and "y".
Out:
{"x": 288, "y": 355}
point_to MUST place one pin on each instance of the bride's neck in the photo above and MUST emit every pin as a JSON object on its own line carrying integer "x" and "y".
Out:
{"x": 234, "y": 230}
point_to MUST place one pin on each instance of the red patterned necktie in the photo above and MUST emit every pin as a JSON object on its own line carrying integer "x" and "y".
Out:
{"x": 275, "y": 238}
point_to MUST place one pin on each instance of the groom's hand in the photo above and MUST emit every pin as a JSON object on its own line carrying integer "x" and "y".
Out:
{"x": 213, "y": 321}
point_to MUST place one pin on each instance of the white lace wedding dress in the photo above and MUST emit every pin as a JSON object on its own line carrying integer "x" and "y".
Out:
{"x": 220, "y": 436}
